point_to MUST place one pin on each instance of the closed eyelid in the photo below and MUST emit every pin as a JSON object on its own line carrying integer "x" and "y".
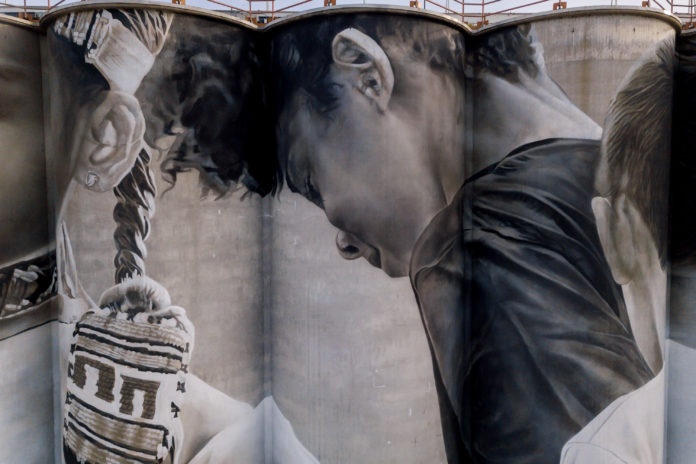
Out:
{"x": 312, "y": 193}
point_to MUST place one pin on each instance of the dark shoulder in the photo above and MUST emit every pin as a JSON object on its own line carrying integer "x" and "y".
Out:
{"x": 550, "y": 164}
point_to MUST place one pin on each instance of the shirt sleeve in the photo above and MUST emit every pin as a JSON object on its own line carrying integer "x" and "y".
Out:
{"x": 584, "y": 453}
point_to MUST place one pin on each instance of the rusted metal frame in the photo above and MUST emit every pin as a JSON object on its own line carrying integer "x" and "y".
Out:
{"x": 285, "y": 8}
{"x": 475, "y": 3}
{"x": 221, "y": 4}
{"x": 56, "y": 5}
{"x": 507, "y": 10}
{"x": 687, "y": 16}
{"x": 14, "y": 5}
{"x": 448, "y": 10}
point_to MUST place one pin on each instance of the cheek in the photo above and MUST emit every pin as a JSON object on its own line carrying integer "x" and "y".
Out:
{"x": 305, "y": 147}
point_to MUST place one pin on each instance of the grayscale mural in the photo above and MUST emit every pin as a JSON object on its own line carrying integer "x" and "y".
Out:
{"x": 183, "y": 97}
{"x": 184, "y": 285}
{"x": 496, "y": 222}
{"x": 681, "y": 344}
{"x": 27, "y": 259}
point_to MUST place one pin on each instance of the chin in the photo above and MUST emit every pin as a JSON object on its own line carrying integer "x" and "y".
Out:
{"x": 393, "y": 268}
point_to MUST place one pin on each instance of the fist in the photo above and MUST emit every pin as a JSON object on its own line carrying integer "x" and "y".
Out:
{"x": 127, "y": 376}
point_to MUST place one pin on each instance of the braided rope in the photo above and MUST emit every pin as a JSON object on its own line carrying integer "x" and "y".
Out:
{"x": 135, "y": 207}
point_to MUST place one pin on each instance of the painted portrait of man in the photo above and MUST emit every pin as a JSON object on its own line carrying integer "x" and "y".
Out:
{"x": 482, "y": 195}
{"x": 511, "y": 303}
{"x": 632, "y": 182}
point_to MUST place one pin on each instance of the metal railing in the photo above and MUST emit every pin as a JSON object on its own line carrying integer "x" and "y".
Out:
{"x": 474, "y": 13}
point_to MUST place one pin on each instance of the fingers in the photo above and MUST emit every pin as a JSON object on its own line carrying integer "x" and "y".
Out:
{"x": 139, "y": 293}
{"x": 127, "y": 375}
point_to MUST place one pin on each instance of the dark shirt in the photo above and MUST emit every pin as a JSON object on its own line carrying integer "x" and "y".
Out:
{"x": 528, "y": 331}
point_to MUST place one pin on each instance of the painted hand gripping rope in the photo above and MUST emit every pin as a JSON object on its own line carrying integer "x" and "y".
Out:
{"x": 127, "y": 377}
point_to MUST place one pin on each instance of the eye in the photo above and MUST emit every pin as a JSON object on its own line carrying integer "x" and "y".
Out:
{"x": 311, "y": 192}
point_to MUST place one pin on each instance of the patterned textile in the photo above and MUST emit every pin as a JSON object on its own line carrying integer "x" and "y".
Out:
{"x": 122, "y": 45}
{"x": 126, "y": 377}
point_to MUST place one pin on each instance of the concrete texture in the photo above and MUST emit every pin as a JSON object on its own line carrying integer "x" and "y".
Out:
{"x": 351, "y": 365}
{"x": 351, "y": 369}
{"x": 589, "y": 55}
{"x": 24, "y": 214}
{"x": 339, "y": 344}
{"x": 26, "y": 397}
{"x": 206, "y": 253}
{"x": 26, "y": 353}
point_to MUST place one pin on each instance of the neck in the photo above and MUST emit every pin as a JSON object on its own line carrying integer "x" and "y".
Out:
{"x": 510, "y": 114}
{"x": 646, "y": 301}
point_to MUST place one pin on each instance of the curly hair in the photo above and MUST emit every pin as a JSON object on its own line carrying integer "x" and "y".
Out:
{"x": 505, "y": 53}
{"x": 301, "y": 56}
{"x": 219, "y": 98}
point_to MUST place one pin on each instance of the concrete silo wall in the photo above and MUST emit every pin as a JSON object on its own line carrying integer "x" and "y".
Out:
{"x": 27, "y": 258}
{"x": 588, "y": 55}
{"x": 468, "y": 166}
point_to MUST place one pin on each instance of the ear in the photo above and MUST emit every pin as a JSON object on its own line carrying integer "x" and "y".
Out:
{"x": 109, "y": 141}
{"x": 366, "y": 64}
{"x": 617, "y": 236}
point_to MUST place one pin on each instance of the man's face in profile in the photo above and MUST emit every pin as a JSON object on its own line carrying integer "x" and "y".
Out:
{"x": 349, "y": 165}
{"x": 364, "y": 159}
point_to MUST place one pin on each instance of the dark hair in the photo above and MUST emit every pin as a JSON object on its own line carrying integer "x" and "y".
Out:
{"x": 505, "y": 53}
{"x": 219, "y": 89}
{"x": 215, "y": 78}
{"x": 136, "y": 192}
{"x": 683, "y": 179}
{"x": 301, "y": 52}
{"x": 636, "y": 141}
{"x": 301, "y": 55}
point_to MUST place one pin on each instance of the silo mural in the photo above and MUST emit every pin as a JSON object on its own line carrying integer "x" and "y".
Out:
{"x": 211, "y": 187}
{"x": 27, "y": 259}
{"x": 681, "y": 344}
{"x": 152, "y": 91}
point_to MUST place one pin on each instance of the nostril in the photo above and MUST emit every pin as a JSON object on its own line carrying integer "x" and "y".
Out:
{"x": 347, "y": 246}
{"x": 350, "y": 249}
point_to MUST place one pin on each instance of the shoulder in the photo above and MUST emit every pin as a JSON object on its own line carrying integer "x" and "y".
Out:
{"x": 578, "y": 453}
{"x": 629, "y": 430}
{"x": 556, "y": 173}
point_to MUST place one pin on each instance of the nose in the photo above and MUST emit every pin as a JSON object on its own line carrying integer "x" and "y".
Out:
{"x": 348, "y": 246}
